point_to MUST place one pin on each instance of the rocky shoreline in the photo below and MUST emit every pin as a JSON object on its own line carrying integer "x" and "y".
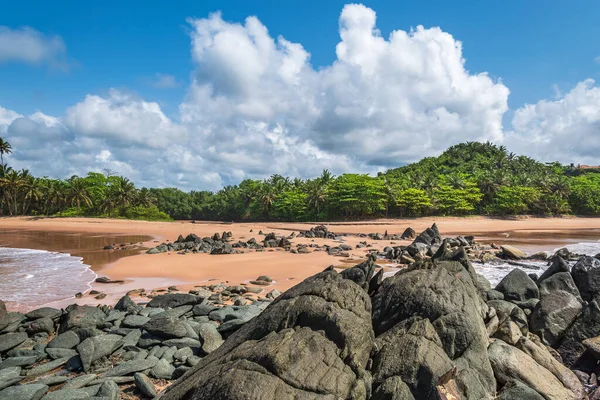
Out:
{"x": 434, "y": 330}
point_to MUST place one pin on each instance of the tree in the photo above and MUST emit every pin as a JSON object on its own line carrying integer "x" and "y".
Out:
{"x": 78, "y": 194}
{"x": 5, "y": 148}
{"x": 413, "y": 202}
{"x": 11, "y": 183}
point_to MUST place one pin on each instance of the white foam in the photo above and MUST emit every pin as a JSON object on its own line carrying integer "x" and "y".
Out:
{"x": 31, "y": 278}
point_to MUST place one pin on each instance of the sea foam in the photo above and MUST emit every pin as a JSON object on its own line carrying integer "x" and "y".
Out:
{"x": 32, "y": 278}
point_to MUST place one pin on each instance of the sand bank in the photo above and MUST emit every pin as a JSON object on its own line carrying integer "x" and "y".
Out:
{"x": 161, "y": 270}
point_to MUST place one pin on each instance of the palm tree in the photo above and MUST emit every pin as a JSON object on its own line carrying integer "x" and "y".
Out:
{"x": 144, "y": 198}
{"x": 33, "y": 192}
{"x": 11, "y": 183}
{"x": 78, "y": 194}
{"x": 124, "y": 191}
{"x": 5, "y": 148}
{"x": 326, "y": 177}
{"x": 317, "y": 194}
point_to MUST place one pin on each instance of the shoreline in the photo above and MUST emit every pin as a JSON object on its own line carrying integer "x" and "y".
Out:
{"x": 159, "y": 271}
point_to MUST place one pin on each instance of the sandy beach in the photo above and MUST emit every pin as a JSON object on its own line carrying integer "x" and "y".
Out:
{"x": 140, "y": 270}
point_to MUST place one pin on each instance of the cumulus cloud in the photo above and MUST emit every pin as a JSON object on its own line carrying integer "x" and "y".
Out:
{"x": 30, "y": 46}
{"x": 256, "y": 107}
{"x": 566, "y": 130}
{"x": 164, "y": 81}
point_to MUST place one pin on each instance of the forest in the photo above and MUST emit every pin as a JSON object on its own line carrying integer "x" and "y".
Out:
{"x": 468, "y": 178}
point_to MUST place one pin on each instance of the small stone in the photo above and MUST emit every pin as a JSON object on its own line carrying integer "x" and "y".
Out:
{"x": 144, "y": 385}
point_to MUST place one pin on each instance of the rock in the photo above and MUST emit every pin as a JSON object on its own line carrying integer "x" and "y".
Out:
{"x": 109, "y": 391}
{"x": 518, "y": 286}
{"x": 66, "y": 340}
{"x": 557, "y": 266}
{"x": 134, "y": 321}
{"x": 512, "y": 252}
{"x": 408, "y": 234}
{"x": 508, "y": 332}
{"x": 228, "y": 313}
{"x": 167, "y": 326}
{"x": 450, "y": 301}
{"x": 56, "y": 353}
{"x": 163, "y": 370}
{"x": 585, "y": 327}
{"x": 47, "y": 367}
{"x": 79, "y": 381}
{"x": 125, "y": 303}
{"x": 44, "y": 312}
{"x": 104, "y": 279}
{"x": 183, "y": 354}
{"x": 315, "y": 338}
{"x": 586, "y": 275}
{"x": 540, "y": 354}
{"x": 173, "y": 300}
{"x": 24, "y": 392}
{"x": 144, "y": 385}
{"x": 183, "y": 342}
{"x": 203, "y": 309}
{"x": 130, "y": 367}
{"x": 273, "y": 294}
{"x": 68, "y": 394}
{"x": 81, "y": 317}
{"x": 4, "y": 318}
{"x": 52, "y": 380}
{"x": 516, "y": 390}
{"x": 393, "y": 389}
{"x": 94, "y": 348}
{"x": 11, "y": 340}
{"x": 553, "y": 315}
{"x": 510, "y": 363}
{"x": 41, "y": 325}
{"x": 209, "y": 337}
{"x": 593, "y": 346}
{"x": 9, "y": 373}
{"x": 559, "y": 281}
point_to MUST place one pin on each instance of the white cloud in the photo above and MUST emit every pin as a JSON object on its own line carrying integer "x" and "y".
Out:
{"x": 165, "y": 81}
{"x": 566, "y": 130}
{"x": 30, "y": 46}
{"x": 597, "y": 59}
{"x": 257, "y": 107}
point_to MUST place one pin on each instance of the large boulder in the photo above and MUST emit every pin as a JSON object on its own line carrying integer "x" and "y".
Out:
{"x": 168, "y": 326}
{"x": 94, "y": 348}
{"x": 557, "y": 266}
{"x": 586, "y": 274}
{"x": 553, "y": 315}
{"x": 511, "y": 364}
{"x": 81, "y": 317}
{"x": 585, "y": 327}
{"x": 559, "y": 281}
{"x": 518, "y": 286}
{"x": 10, "y": 340}
{"x": 512, "y": 252}
{"x": 452, "y": 305}
{"x": 312, "y": 341}
{"x": 516, "y": 390}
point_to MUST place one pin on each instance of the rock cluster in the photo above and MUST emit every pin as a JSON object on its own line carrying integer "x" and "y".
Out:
{"x": 319, "y": 231}
{"x": 100, "y": 352}
{"x": 217, "y": 244}
{"x": 435, "y": 330}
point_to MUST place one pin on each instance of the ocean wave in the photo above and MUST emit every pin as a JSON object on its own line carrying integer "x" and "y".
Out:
{"x": 32, "y": 278}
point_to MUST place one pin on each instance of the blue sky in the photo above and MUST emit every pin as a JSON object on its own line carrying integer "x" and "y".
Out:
{"x": 537, "y": 50}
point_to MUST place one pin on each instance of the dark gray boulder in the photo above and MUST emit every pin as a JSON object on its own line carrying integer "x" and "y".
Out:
{"x": 314, "y": 339}
{"x": 109, "y": 390}
{"x": 4, "y": 318}
{"x": 553, "y": 315}
{"x": 125, "y": 303}
{"x": 509, "y": 312}
{"x": 45, "y": 324}
{"x": 585, "y": 327}
{"x": 81, "y": 317}
{"x": 173, "y": 300}
{"x": 94, "y": 348}
{"x": 167, "y": 326}
{"x": 559, "y": 281}
{"x": 586, "y": 274}
{"x": 518, "y": 286}
{"x": 392, "y": 389}
{"x": 131, "y": 367}
{"x": 557, "y": 266}
{"x": 134, "y": 321}
{"x": 44, "y": 312}
{"x": 144, "y": 385}
{"x": 209, "y": 337}
{"x": 452, "y": 304}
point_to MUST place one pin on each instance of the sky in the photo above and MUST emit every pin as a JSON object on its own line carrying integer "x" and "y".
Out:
{"x": 202, "y": 94}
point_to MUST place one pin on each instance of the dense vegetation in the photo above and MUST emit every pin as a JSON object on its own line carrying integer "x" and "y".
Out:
{"x": 469, "y": 178}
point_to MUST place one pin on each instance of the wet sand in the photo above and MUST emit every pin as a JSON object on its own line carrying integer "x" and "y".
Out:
{"x": 86, "y": 237}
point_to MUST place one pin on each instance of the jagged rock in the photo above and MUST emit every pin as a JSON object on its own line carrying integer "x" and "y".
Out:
{"x": 167, "y": 326}
{"x": 81, "y": 317}
{"x": 41, "y": 325}
{"x": 452, "y": 304}
{"x": 109, "y": 391}
{"x": 518, "y": 286}
{"x": 163, "y": 370}
{"x": 125, "y": 304}
{"x": 558, "y": 265}
{"x": 559, "y": 281}
{"x": 586, "y": 275}
{"x": 516, "y": 390}
{"x": 408, "y": 234}
{"x": 130, "y": 367}
{"x": 510, "y": 363}
{"x": 4, "y": 318}
{"x": 512, "y": 252}
{"x": 173, "y": 300}
{"x": 66, "y": 340}
{"x": 507, "y": 311}
{"x": 553, "y": 315}
{"x": 316, "y": 338}
{"x": 585, "y": 327}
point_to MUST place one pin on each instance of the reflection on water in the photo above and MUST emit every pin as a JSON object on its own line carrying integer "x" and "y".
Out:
{"x": 85, "y": 245}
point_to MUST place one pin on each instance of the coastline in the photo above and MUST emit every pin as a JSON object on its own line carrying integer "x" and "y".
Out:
{"x": 159, "y": 271}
